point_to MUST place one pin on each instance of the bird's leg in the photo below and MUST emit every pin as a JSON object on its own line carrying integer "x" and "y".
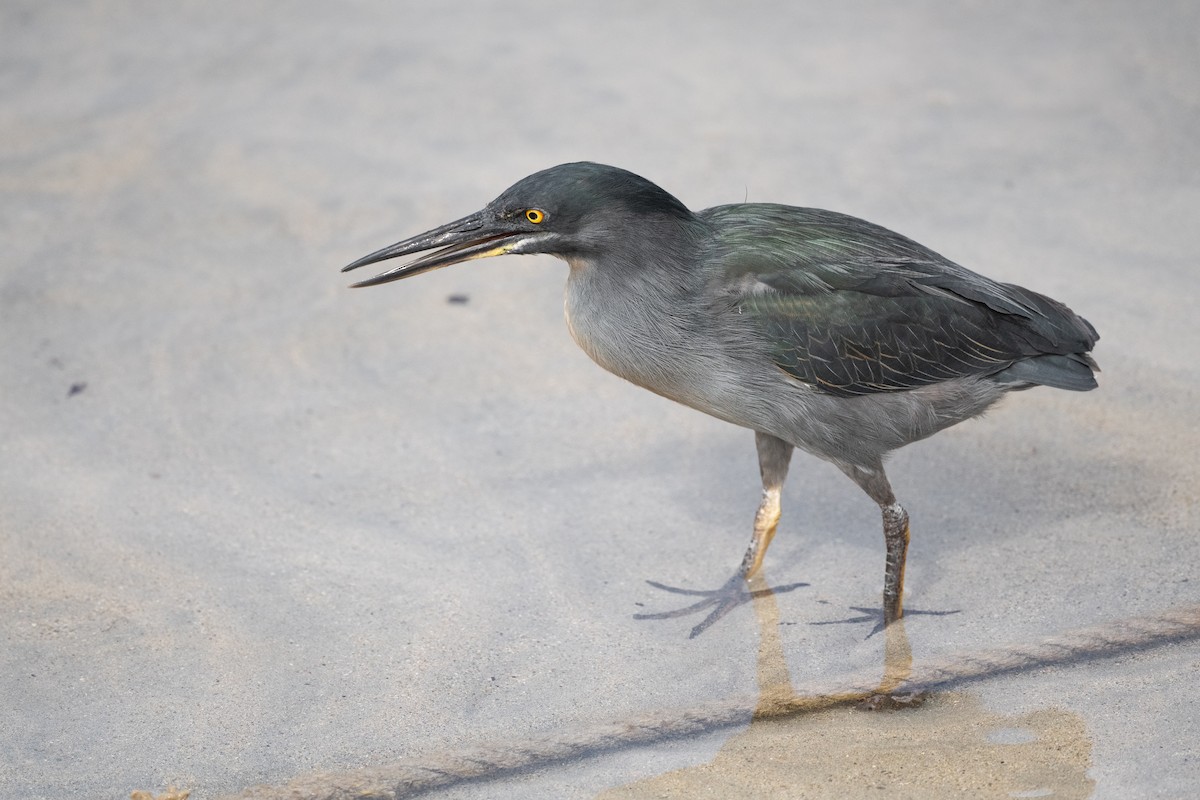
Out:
{"x": 773, "y": 457}
{"x": 874, "y": 482}
{"x": 895, "y": 537}
{"x": 765, "y": 522}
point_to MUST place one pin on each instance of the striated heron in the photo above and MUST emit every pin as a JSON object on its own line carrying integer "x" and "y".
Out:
{"x": 814, "y": 329}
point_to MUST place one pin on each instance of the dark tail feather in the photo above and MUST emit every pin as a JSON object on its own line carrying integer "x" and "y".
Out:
{"x": 1074, "y": 372}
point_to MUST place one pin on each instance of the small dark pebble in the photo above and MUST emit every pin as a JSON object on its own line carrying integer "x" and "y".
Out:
{"x": 76, "y": 388}
{"x": 893, "y": 702}
{"x": 458, "y": 299}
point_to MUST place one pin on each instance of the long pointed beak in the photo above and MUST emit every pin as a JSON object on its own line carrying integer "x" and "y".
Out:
{"x": 462, "y": 240}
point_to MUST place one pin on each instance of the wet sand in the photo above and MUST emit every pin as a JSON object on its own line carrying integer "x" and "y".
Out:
{"x": 255, "y": 526}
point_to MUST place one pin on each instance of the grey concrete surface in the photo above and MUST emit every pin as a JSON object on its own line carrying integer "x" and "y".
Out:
{"x": 256, "y": 526}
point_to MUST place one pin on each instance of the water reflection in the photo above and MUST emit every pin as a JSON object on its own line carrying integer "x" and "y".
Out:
{"x": 813, "y": 743}
{"x": 937, "y": 746}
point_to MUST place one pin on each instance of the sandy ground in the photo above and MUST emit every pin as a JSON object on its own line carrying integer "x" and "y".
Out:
{"x": 258, "y": 528}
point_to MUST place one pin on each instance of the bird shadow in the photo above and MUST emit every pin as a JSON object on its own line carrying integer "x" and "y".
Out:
{"x": 875, "y": 615}
{"x": 733, "y": 593}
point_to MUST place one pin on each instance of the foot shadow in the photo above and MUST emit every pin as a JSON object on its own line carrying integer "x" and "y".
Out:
{"x": 735, "y": 592}
{"x": 876, "y": 615}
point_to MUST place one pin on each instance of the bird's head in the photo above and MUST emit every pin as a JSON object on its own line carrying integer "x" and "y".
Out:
{"x": 568, "y": 210}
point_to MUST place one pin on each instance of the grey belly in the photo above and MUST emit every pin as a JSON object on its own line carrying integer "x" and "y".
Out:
{"x": 727, "y": 375}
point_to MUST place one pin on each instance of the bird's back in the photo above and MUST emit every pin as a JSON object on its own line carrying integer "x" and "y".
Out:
{"x": 852, "y": 308}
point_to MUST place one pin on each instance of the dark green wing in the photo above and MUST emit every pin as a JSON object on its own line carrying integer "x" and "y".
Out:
{"x": 853, "y": 309}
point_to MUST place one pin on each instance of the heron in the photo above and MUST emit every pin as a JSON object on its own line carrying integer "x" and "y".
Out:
{"x": 814, "y": 329}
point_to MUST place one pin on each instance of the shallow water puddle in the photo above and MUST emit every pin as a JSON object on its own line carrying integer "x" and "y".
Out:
{"x": 941, "y": 746}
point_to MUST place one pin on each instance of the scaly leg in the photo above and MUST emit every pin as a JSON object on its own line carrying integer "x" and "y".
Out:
{"x": 773, "y": 458}
{"x": 895, "y": 537}
{"x": 874, "y": 482}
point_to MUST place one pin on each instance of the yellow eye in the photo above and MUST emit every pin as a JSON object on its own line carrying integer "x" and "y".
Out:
{"x": 535, "y": 216}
